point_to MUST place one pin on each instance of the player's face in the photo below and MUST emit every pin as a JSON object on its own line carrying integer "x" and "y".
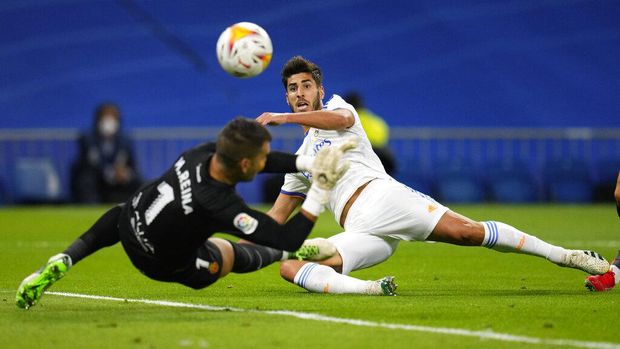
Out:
{"x": 251, "y": 166}
{"x": 303, "y": 94}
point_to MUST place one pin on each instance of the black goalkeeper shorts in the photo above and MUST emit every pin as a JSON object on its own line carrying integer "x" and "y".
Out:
{"x": 197, "y": 271}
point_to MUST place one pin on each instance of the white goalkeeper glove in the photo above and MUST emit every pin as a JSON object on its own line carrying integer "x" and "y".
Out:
{"x": 306, "y": 162}
{"x": 325, "y": 173}
{"x": 325, "y": 170}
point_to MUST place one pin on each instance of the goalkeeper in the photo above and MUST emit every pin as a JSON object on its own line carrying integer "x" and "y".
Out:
{"x": 166, "y": 226}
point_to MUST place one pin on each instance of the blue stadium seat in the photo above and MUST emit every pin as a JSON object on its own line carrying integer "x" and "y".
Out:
{"x": 251, "y": 192}
{"x": 457, "y": 180}
{"x": 605, "y": 179}
{"x": 511, "y": 182}
{"x": 3, "y": 194}
{"x": 36, "y": 181}
{"x": 568, "y": 181}
{"x": 411, "y": 172}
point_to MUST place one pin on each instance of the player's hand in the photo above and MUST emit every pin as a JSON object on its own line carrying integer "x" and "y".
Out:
{"x": 272, "y": 119}
{"x": 328, "y": 167}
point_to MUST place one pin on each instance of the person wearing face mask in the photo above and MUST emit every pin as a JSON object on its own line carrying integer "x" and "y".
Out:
{"x": 105, "y": 169}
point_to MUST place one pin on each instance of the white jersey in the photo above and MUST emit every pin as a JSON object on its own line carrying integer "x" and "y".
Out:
{"x": 364, "y": 163}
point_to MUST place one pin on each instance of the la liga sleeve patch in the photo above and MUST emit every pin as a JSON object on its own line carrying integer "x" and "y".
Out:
{"x": 246, "y": 223}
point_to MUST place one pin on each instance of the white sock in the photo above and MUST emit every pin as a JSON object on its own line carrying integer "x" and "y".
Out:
{"x": 505, "y": 238}
{"x": 616, "y": 271}
{"x": 323, "y": 279}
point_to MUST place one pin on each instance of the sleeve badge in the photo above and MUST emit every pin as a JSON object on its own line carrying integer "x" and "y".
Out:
{"x": 246, "y": 223}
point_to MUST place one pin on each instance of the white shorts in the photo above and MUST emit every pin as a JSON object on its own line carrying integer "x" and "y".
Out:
{"x": 384, "y": 213}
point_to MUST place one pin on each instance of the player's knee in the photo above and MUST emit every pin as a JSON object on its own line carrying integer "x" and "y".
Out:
{"x": 228, "y": 256}
{"x": 288, "y": 269}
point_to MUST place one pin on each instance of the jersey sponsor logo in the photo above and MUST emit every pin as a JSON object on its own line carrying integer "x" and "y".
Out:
{"x": 185, "y": 185}
{"x": 320, "y": 143}
{"x": 136, "y": 200}
{"x": 246, "y": 223}
{"x": 198, "y": 176}
{"x": 138, "y": 231}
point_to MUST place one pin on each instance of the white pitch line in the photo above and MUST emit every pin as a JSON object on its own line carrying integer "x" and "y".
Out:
{"x": 505, "y": 337}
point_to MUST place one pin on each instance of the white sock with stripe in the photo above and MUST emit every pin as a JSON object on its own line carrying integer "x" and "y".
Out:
{"x": 505, "y": 238}
{"x": 323, "y": 279}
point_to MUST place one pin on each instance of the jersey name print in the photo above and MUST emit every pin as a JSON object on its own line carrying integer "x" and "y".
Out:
{"x": 185, "y": 185}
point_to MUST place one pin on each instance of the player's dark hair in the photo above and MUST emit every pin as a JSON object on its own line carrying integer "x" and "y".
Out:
{"x": 297, "y": 65}
{"x": 240, "y": 138}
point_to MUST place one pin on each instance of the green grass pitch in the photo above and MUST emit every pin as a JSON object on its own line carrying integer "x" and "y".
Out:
{"x": 448, "y": 296}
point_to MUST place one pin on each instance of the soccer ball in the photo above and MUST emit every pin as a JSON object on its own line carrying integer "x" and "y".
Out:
{"x": 244, "y": 50}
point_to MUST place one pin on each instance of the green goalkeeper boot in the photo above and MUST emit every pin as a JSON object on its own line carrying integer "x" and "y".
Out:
{"x": 316, "y": 249}
{"x": 31, "y": 289}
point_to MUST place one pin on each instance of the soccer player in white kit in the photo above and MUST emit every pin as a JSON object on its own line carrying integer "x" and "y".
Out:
{"x": 376, "y": 211}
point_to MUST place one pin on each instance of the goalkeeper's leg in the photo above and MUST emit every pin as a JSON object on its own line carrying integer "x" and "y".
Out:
{"x": 249, "y": 257}
{"x": 457, "y": 229}
{"x": 102, "y": 234}
{"x": 215, "y": 259}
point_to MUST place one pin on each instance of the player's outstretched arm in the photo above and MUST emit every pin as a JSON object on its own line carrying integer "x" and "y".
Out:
{"x": 338, "y": 119}
{"x": 284, "y": 207}
{"x": 262, "y": 229}
{"x": 281, "y": 162}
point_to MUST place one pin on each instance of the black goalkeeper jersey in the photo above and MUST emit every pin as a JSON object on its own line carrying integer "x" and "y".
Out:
{"x": 172, "y": 216}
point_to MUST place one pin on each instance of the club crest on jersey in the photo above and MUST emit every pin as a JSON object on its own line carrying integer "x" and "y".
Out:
{"x": 246, "y": 223}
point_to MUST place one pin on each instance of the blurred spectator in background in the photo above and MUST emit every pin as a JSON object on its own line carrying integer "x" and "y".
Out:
{"x": 105, "y": 170}
{"x": 377, "y": 130}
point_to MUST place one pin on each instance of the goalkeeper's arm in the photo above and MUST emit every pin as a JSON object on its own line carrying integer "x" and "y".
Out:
{"x": 280, "y": 162}
{"x": 326, "y": 171}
